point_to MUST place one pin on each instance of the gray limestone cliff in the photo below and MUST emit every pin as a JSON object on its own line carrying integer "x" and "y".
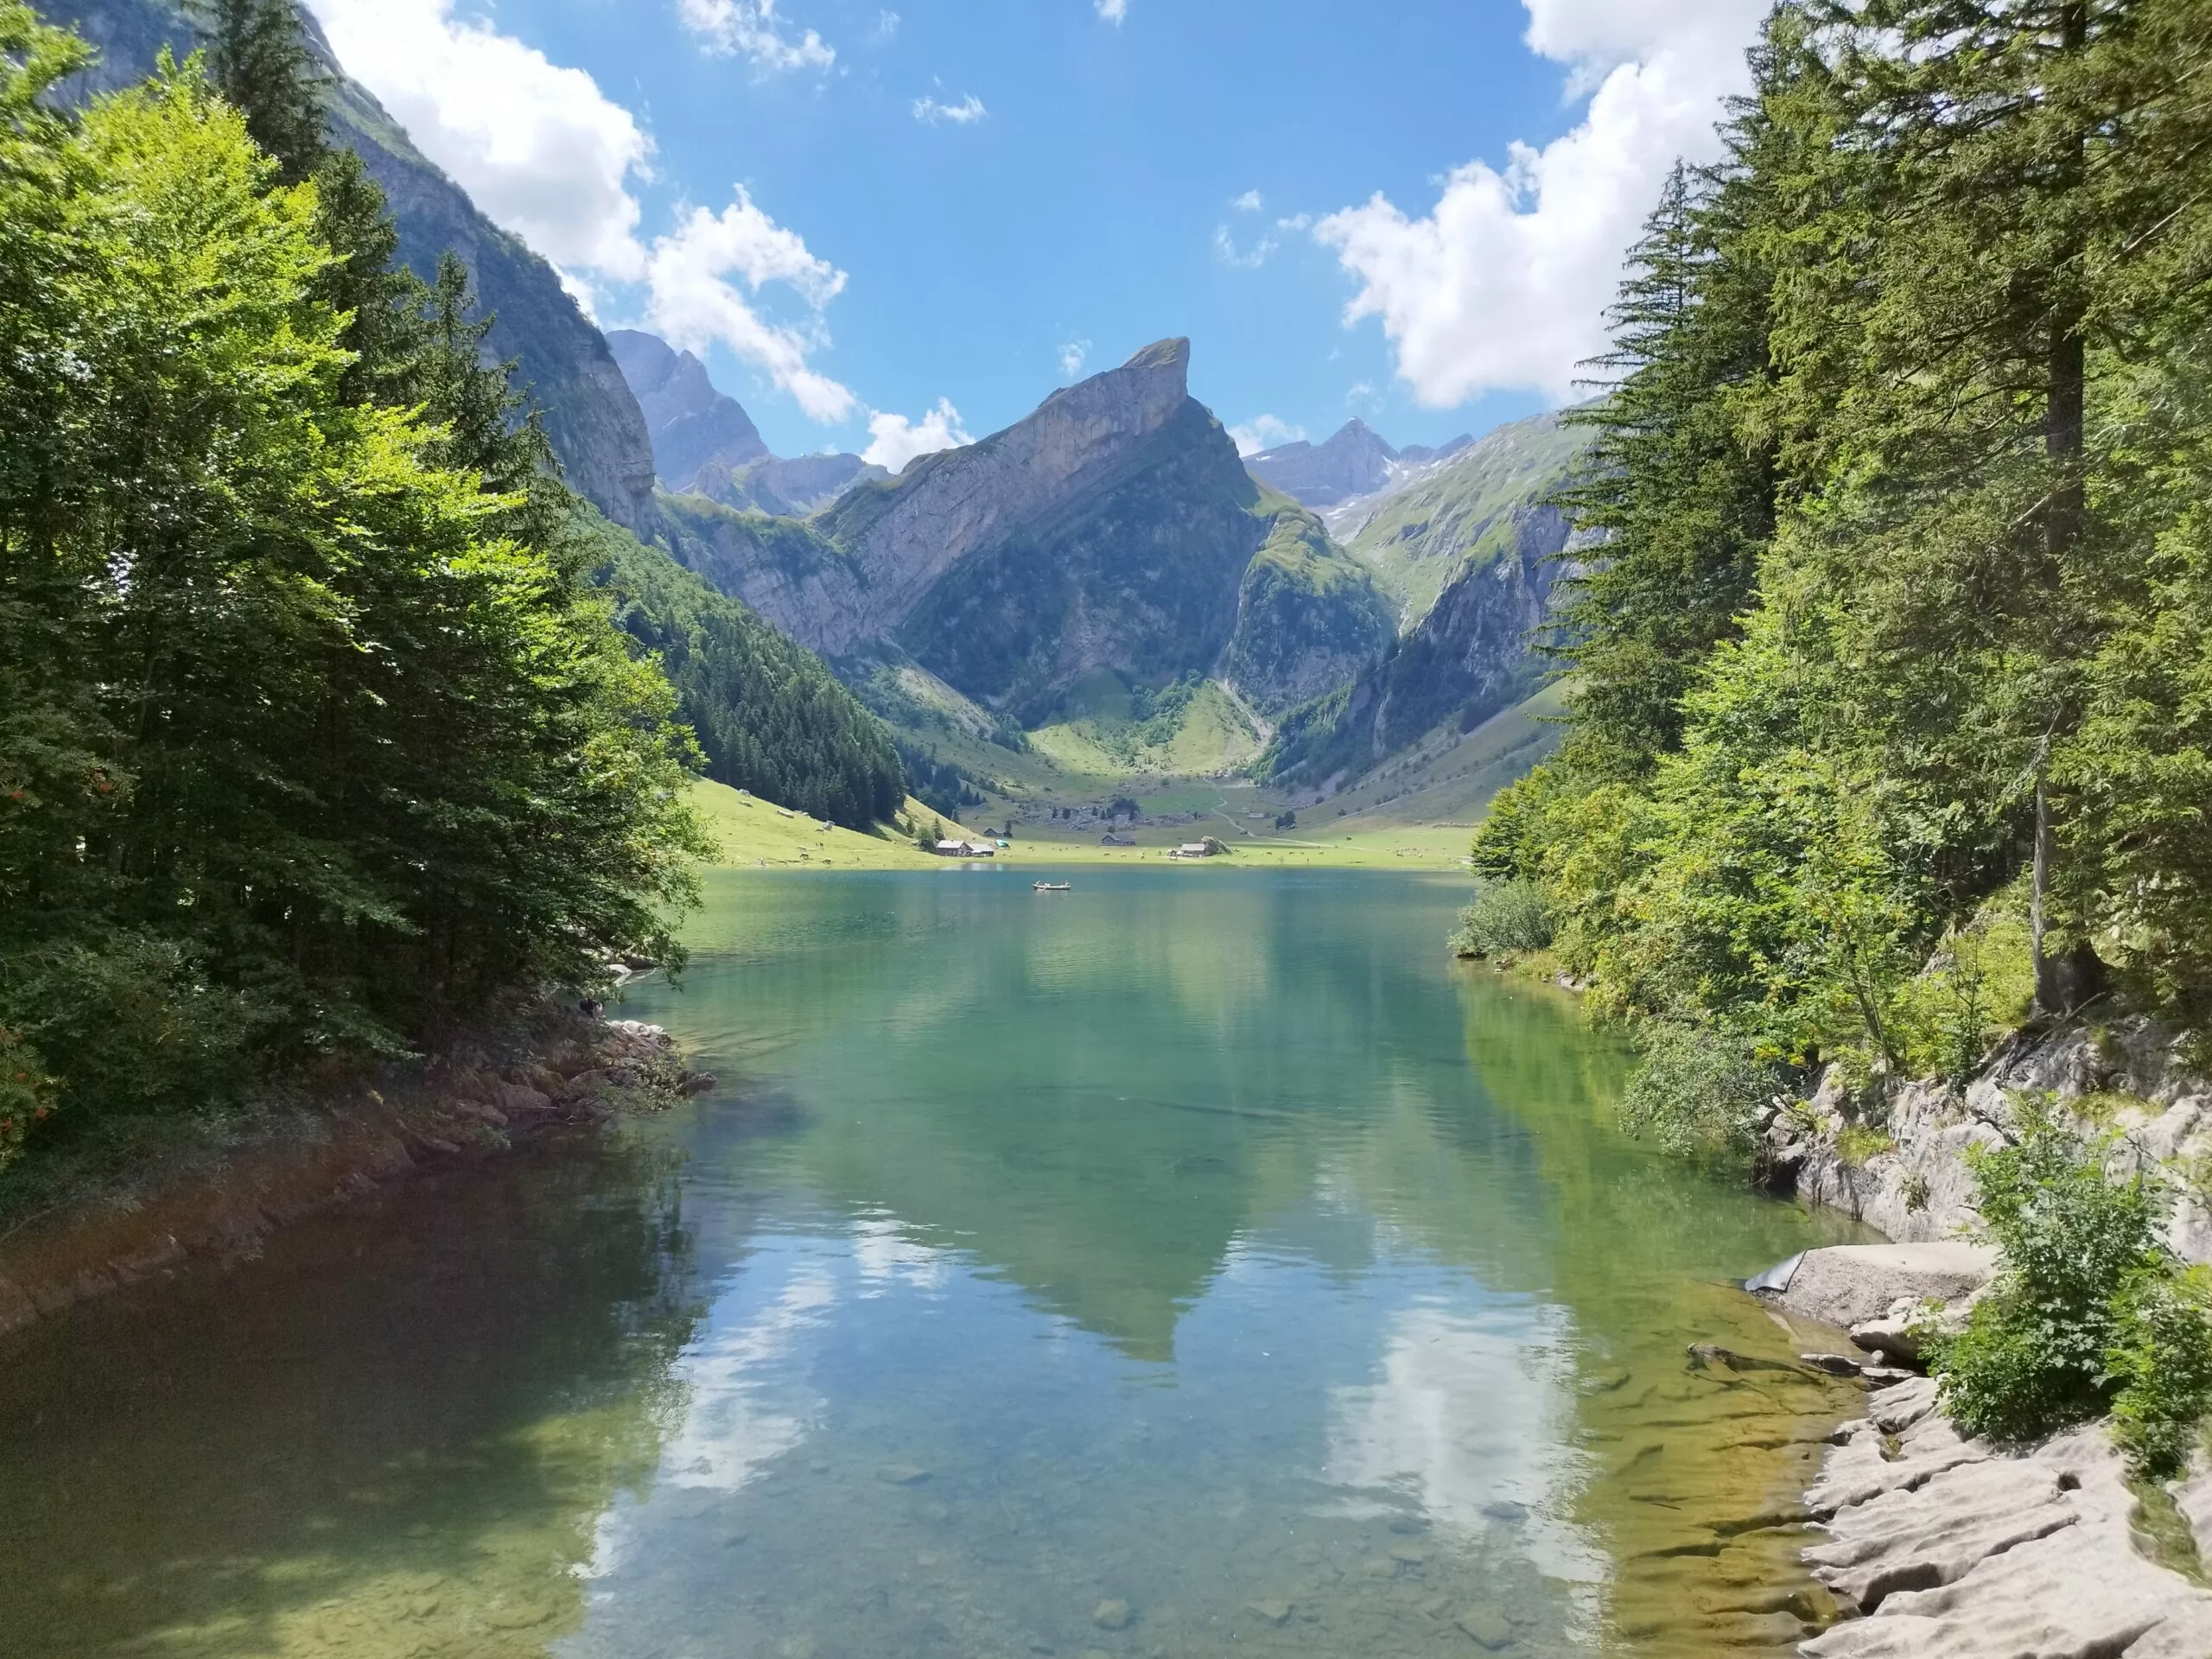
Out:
{"x": 1112, "y": 529}
{"x": 691, "y": 425}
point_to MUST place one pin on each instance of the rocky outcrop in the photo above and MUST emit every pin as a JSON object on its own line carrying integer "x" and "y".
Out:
{"x": 1849, "y": 1285}
{"x": 1355, "y": 461}
{"x": 1918, "y": 1187}
{"x": 563, "y": 365}
{"x": 1951, "y": 1548}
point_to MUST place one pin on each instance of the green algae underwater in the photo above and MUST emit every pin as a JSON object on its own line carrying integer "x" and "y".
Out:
{"x": 1159, "y": 1268}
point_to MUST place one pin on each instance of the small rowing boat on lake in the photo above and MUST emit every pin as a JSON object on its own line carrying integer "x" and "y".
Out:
{"x": 1053, "y": 886}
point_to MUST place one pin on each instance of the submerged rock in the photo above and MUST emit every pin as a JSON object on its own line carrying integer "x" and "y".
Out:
{"x": 1486, "y": 1626}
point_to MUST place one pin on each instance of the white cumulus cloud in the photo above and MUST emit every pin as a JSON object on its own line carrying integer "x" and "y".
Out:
{"x": 547, "y": 154}
{"x": 1264, "y": 432}
{"x": 750, "y": 29}
{"x": 1114, "y": 10}
{"x": 538, "y": 147}
{"x": 894, "y": 440}
{"x": 1073, "y": 356}
{"x": 1505, "y": 281}
{"x": 1248, "y": 203}
{"x": 969, "y": 110}
{"x": 695, "y": 299}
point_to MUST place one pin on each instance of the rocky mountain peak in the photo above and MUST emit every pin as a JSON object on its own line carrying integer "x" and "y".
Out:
{"x": 1355, "y": 461}
{"x": 1133, "y": 401}
{"x": 692, "y": 425}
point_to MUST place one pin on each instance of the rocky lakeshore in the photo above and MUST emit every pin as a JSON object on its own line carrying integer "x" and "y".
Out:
{"x": 1941, "y": 1546}
{"x": 558, "y": 1067}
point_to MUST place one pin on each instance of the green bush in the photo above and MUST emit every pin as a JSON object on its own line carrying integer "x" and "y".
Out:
{"x": 1506, "y": 917}
{"x": 1700, "y": 1092}
{"x": 2162, "y": 1360}
{"x": 26, "y": 1093}
{"x": 2088, "y": 1312}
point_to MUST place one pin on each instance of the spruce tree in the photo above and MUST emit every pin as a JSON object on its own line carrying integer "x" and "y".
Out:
{"x": 259, "y": 58}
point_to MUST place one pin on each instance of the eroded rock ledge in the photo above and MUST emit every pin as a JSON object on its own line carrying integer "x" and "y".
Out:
{"x": 1954, "y": 1549}
{"x": 1939, "y": 1546}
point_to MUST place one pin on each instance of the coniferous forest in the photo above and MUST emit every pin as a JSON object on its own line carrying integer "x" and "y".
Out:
{"x": 314, "y": 732}
{"x": 1892, "y": 682}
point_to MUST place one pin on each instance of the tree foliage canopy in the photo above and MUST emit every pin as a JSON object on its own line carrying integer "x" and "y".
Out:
{"x": 1900, "y": 647}
{"x": 314, "y": 732}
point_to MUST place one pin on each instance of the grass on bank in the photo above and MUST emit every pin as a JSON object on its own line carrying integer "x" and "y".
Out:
{"x": 755, "y": 834}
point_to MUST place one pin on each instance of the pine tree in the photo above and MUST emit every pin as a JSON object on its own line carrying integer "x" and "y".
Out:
{"x": 259, "y": 58}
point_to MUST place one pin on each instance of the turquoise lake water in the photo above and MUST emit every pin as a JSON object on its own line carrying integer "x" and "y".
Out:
{"x": 1196, "y": 1263}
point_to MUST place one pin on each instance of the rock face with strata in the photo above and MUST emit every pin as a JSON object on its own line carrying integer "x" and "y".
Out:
{"x": 1950, "y": 1548}
{"x": 1920, "y": 1188}
{"x": 1112, "y": 531}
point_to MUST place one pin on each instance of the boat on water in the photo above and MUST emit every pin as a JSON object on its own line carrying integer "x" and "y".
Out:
{"x": 1053, "y": 886}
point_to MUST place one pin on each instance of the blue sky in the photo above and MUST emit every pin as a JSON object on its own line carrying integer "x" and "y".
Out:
{"x": 889, "y": 226}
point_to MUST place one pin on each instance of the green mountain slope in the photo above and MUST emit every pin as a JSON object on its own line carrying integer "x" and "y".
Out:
{"x": 769, "y": 714}
{"x": 1415, "y": 537}
{"x": 1472, "y": 551}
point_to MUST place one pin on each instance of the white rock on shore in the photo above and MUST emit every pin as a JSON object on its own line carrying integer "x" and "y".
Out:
{"x": 1956, "y": 1550}
{"x": 1848, "y": 1285}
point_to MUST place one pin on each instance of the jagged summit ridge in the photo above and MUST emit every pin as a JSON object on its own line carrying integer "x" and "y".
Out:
{"x": 1355, "y": 461}
{"x": 692, "y": 424}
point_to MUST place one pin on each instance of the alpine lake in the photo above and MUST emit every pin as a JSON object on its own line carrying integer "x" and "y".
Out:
{"x": 1196, "y": 1263}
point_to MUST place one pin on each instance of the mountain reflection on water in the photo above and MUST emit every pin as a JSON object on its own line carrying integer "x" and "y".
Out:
{"x": 1195, "y": 1262}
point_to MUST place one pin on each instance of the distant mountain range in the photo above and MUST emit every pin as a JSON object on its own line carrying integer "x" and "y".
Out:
{"x": 1354, "y": 462}
{"x": 704, "y": 441}
{"x": 1342, "y": 602}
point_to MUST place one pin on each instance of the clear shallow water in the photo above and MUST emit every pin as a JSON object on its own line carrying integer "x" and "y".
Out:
{"x": 1192, "y": 1264}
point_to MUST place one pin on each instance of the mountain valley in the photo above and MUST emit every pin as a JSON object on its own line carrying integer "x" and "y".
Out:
{"x": 1102, "y": 596}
